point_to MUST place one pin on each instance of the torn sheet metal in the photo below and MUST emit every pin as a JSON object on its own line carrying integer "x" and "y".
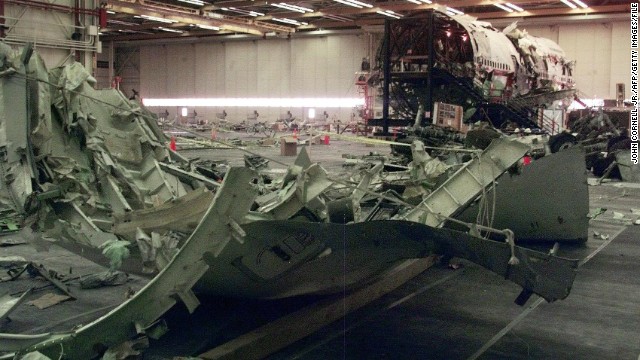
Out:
{"x": 182, "y": 214}
{"x": 51, "y": 276}
{"x": 105, "y": 278}
{"x": 286, "y": 258}
{"x": 174, "y": 283}
{"x": 467, "y": 183}
{"x": 8, "y": 303}
{"x": 628, "y": 171}
{"x": 105, "y": 160}
{"x": 11, "y": 242}
{"x": 48, "y": 300}
{"x": 559, "y": 215}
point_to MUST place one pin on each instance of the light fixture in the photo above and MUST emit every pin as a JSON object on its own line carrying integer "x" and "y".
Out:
{"x": 503, "y": 7}
{"x": 337, "y": 18}
{"x": 363, "y": 4}
{"x": 355, "y": 3}
{"x": 415, "y": 2}
{"x": 454, "y": 11}
{"x": 581, "y": 4}
{"x": 347, "y": 103}
{"x": 515, "y": 7}
{"x": 348, "y": 3}
{"x": 243, "y": 12}
{"x": 569, "y": 4}
{"x": 427, "y": 1}
{"x": 120, "y": 22}
{"x": 170, "y": 30}
{"x": 389, "y": 13}
{"x": 287, "y": 21}
{"x": 184, "y": 111}
{"x": 111, "y": 12}
{"x": 193, "y": 2}
{"x": 291, "y": 7}
{"x": 158, "y": 19}
{"x": 208, "y": 27}
{"x": 311, "y": 114}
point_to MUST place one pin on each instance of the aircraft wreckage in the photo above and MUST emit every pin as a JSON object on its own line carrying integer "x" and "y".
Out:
{"x": 90, "y": 170}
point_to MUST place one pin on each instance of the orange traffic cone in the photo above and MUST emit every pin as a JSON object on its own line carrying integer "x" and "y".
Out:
{"x": 172, "y": 144}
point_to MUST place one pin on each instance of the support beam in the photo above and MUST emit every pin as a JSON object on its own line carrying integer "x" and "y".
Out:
{"x": 233, "y": 24}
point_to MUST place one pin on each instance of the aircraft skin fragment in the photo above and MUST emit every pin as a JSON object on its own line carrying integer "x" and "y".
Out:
{"x": 106, "y": 179}
{"x": 172, "y": 284}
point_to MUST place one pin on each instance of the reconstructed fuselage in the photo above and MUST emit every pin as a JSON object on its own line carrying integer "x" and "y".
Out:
{"x": 474, "y": 65}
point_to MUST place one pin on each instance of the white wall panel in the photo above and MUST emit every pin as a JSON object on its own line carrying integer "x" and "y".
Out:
{"x": 153, "y": 70}
{"x": 620, "y": 58}
{"x": 209, "y": 70}
{"x": 302, "y": 67}
{"x": 274, "y": 62}
{"x": 181, "y": 66}
{"x": 590, "y": 46}
{"x": 549, "y": 32}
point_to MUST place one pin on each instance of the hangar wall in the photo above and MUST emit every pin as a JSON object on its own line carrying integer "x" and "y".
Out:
{"x": 601, "y": 52}
{"x": 326, "y": 66}
{"x": 50, "y": 32}
{"x": 304, "y": 67}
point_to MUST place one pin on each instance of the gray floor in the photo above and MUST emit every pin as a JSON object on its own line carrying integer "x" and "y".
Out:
{"x": 441, "y": 314}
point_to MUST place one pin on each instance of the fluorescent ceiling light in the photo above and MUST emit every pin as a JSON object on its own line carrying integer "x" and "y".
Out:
{"x": 111, "y": 12}
{"x": 415, "y": 2}
{"x": 120, "y": 22}
{"x": 389, "y": 13}
{"x": 503, "y": 7}
{"x": 158, "y": 19}
{"x": 348, "y": 3}
{"x": 355, "y": 3}
{"x": 208, "y": 27}
{"x": 515, "y": 7}
{"x": 170, "y": 30}
{"x": 337, "y": 18}
{"x": 288, "y": 21}
{"x": 258, "y": 102}
{"x": 455, "y": 11}
{"x": 194, "y": 2}
{"x": 427, "y": 1}
{"x": 569, "y": 4}
{"x": 363, "y": 4}
{"x": 241, "y": 11}
{"x": 291, "y": 7}
{"x": 581, "y": 4}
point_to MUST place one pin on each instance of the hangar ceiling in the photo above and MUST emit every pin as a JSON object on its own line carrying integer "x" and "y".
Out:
{"x": 153, "y": 19}
{"x": 139, "y": 20}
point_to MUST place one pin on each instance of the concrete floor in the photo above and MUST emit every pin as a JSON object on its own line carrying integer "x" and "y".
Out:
{"x": 441, "y": 314}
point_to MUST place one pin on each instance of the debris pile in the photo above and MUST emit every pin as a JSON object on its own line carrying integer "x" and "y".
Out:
{"x": 96, "y": 175}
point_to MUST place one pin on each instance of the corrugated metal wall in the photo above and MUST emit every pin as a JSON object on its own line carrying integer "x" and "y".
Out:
{"x": 304, "y": 67}
{"x": 325, "y": 67}
{"x": 601, "y": 52}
